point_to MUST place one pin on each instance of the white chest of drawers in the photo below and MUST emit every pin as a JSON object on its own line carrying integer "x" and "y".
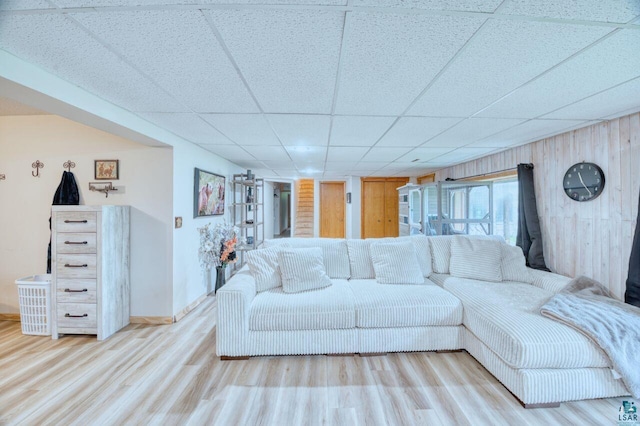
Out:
{"x": 90, "y": 267}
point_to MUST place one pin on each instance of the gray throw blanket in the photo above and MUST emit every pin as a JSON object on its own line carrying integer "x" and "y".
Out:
{"x": 587, "y": 306}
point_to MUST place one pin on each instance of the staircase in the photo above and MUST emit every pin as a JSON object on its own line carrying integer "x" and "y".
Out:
{"x": 304, "y": 208}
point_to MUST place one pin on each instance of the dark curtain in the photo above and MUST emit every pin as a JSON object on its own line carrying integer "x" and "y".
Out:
{"x": 66, "y": 194}
{"x": 632, "y": 295}
{"x": 529, "y": 237}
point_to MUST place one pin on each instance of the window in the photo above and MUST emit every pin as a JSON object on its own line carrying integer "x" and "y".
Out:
{"x": 505, "y": 209}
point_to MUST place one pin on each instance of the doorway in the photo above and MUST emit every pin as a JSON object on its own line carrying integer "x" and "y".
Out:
{"x": 281, "y": 209}
{"x": 332, "y": 209}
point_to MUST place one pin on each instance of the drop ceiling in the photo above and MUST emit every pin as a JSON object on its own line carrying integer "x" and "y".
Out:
{"x": 332, "y": 88}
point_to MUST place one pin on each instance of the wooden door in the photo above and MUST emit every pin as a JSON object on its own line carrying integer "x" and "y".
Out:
{"x": 380, "y": 209}
{"x": 391, "y": 208}
{"x": 332, "y": 209}
{"x": 373, "y": 197}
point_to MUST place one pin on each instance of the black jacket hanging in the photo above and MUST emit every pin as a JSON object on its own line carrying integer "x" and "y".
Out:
{"x": 66, "y": 194}
{"x": 632, "y": 295}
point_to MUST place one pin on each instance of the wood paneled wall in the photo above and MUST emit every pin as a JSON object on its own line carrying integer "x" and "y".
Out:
{"x": 591, "y": 238}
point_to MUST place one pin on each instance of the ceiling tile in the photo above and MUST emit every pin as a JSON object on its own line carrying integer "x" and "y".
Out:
{"x": 471, "y": 130}
{"x": 271, "y": 153}
{"x": 389, "y": 59}
{"x": 338, "y": 165}
{"x": 528, "y": 132}
{"x": 462, "y": 154}
{"x": 423, "y": 154}
{"x": 455, "y": 5}
{"x": 301, "y": 129}
{"x": 625, "y": 97}
{"x": 279, "y": 164}
{"x": 162, "y": 42}
{"x": 307, "y": 154}
{"x": 358, "y": 131}
{"x": 343, "y": 153}
{"x": 56, "y": 44}
{"x": 189, "y": 126}
{"x": 232, "y": 153}
{"x": 587, "y": 10}
{"x": 370, "y": 165}
{"x": 244, "y": 129}
{"x": 414, "y": 131}
{"x": 500, "y": 58}
{"x": 111, "y": 3}
{"x": 279, "y": 2}
{"x": 289, "y": 58}
{"x": 24, "y": 4}
{"x": 616, "y": 58}
{"x": 384, "y": 154}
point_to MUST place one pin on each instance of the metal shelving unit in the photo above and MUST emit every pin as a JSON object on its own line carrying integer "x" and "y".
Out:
{"x": 247, "y": 212}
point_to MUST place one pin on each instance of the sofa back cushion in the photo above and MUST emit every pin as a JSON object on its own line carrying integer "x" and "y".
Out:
{"x": 396, "y": 263}
{"x": 334, "y": 252}
{"x": 514, "y": 265}
{"x": 302, "y": 269}
{"x": 263, "y": 265}
{"x": 475, "y": 258}
{"x": 423, "y": 252}
{"x": 441, "y": 250}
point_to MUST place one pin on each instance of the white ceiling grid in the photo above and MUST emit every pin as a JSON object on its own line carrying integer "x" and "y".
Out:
{"x": 331, "y": 88}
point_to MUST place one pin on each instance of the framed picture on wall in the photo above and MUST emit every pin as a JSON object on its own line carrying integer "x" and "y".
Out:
{"x": 107, "y": 169}
{"x": 208, "y": 194}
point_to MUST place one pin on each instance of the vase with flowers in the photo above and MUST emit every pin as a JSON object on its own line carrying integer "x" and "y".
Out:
{"x": 218, "y": 249}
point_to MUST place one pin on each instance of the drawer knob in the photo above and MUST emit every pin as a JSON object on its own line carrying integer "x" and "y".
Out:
{"x": 75, "y": 221}
{"x": 67, "y": 265}
{"x": 76, "y": 242}
{"x": 68, "y": 290}
{"x": 68, "y": 315}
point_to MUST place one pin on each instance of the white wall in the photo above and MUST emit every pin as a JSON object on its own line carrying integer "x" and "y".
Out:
{"x": 284, "y": 213}
{"x": 268, "y": 210}
{"x": 277, "y": 227}
{"x": 189, "y": 281}
{"x": 145, "y": 184}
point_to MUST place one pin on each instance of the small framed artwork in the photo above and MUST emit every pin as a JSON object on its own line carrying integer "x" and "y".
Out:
{"x": 107, "y": 169}
{"x": 208, "y": 194}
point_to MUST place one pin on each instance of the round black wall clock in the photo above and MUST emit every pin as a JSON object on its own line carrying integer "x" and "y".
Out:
{"x": 583, "y": 181}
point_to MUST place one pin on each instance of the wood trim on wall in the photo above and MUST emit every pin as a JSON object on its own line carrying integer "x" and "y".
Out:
{"x": 10, "y": 317}
{"x": 428, "y": 178}
{"x": 177, "y": 317}
{"x": 151, "y": 320}
{"x": 492, "y": 176}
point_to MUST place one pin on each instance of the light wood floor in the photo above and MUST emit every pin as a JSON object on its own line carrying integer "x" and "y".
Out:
{"x": 170, "y": 375}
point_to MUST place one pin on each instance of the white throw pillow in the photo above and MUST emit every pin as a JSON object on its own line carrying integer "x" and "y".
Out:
{"x": 334, "y": 253}
{"x": 302, "y": 269}
{"x": 396, "y": 263}
{"x": 263, "y": 265}
{"x": 476, "y": 258}
{"x": 514, "y": 265}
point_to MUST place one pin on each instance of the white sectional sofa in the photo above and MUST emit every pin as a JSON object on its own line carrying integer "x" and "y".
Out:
{"x": 540, "y": 361}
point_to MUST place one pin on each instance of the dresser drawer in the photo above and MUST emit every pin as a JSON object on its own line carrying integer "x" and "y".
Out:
{"x": 76, "y": 291}
{"x": 71, "y": 242}
{"x": 76, "y": 221}
{"x": 76, "y": 315}
{"x": 76, "y": 266}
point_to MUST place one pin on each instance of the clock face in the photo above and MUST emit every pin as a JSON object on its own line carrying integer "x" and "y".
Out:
{"x": 583, "y": 182}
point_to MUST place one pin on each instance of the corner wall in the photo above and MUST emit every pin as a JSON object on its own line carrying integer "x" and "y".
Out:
{"x": 145, "y": 183}
{"x": 190, "y": 282}
{"x": 590, "y": 238}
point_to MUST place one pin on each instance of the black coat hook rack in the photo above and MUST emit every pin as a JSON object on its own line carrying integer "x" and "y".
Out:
{"x": 37, "y": 165}
{"x": 69, "y": 165}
